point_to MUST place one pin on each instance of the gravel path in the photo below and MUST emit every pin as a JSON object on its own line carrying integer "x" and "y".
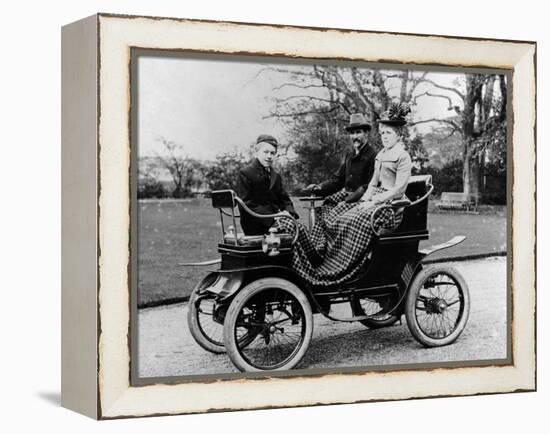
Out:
{"x": 166, "y": 347}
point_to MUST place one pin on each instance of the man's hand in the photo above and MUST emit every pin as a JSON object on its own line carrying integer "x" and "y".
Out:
{"x": 354, "y": 196}
{"x": 313, "y": 187}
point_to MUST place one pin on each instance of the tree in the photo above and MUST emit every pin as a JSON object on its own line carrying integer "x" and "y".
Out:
{"x": 322, "y": 97}
{"x": 149, "y": 185}
{"x": 448, "y": 177}
{"x": 222, "y": 173}
{"x": 443, "y": 145}
{"x": 421, "y": 158}
{"x": 480, "y": 123}
{"x": 318, "y": 145}
{"x": 317, "y": 111}
{"x": 183, "y": 170}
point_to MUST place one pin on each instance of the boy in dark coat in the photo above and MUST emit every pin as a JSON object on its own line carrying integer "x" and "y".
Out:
{"x": 261, "y": 188}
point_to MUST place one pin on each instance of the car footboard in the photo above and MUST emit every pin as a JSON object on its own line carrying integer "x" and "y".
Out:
{"x": 200, "y": 264}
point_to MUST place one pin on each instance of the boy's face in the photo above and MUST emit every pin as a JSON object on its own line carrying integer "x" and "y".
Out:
{"x": 266, "y": 153}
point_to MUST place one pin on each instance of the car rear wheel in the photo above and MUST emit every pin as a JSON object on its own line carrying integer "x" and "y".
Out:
{"x": 378, "y": 309}
{"x": 437, "y": 306}
{"x": 207, "y": 332}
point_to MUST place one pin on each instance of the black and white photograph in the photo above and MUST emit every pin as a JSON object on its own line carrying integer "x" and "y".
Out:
{"x": 286, "y": 216}
{"x": 295, "y": 217}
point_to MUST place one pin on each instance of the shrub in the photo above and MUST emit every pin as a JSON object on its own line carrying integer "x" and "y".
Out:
{"x": 149, "y": 188}
{"x": 448, "y": 177}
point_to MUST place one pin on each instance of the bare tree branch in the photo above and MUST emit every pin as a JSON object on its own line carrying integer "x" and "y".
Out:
{"x": 308, "y": 97}
{"x": 450, "y": 89}
{"x": 444, "y": 121}
{"x": 379, "y": 81}
{"x": 282, "y": 70}
{"x": 305, "y": 86}
{"x": 390, "y": 75}
{"x": 415, "y": 82}
{"x": 337, "y": 83}
{"x": 302, "y": 113}
{"x": 435, "y": 95}
{"x": 366, "y": 101}
{"x": 452, "y": 132}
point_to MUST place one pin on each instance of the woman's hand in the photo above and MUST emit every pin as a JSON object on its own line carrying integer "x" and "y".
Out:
{"x": 378, "y": 199}
{"x": 366, "y": 197}
{"x": 366, "y": 204}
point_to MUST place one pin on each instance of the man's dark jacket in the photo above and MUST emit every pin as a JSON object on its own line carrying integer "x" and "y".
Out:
{"x": 354, "y": 174}
{"x": 263, "y": 193}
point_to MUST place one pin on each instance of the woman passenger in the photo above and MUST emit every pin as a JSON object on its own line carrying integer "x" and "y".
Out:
{"x": 392, "y": 167}
{"x": 337, "y": 248}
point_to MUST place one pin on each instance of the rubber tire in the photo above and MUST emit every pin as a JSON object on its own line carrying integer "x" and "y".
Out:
{"x": 410, "y": 306}
{"x": 239, "y": 302}
{"x": 193, "y": 321}
{"x": 372, "y": 323}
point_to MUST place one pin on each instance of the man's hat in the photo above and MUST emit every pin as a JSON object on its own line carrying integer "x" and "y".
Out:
{"x": 266, "y": 138}
{"x": 358, "y": 122}
{"x": 396, "y": 115}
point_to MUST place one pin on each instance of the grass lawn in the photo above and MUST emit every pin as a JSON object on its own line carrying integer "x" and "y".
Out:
{"x": 189, "y": 231}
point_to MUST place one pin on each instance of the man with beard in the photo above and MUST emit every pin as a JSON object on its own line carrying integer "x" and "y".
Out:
{"x": 351, "y": 179}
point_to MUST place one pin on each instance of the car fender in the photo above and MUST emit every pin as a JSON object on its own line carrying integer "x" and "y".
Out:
{"x": 452, "y": 242}
{"x": 224, "y": 284}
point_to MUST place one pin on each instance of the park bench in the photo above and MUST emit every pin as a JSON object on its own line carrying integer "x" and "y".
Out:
{"x": 456, "y": 201}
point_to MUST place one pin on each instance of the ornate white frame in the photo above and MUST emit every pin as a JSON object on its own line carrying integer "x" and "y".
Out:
{"x": 96, "y": 215}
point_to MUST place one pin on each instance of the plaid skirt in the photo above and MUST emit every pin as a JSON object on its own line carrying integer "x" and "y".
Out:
{"x": 337, "y": 247}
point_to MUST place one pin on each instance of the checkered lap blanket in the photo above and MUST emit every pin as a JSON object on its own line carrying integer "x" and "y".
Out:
{"x": 336, "y": 249}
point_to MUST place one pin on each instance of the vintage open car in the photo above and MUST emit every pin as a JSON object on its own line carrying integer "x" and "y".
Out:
{"x": 259, "y": 311}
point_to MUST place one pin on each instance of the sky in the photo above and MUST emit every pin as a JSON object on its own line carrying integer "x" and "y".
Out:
{"x": 213, "y": 106}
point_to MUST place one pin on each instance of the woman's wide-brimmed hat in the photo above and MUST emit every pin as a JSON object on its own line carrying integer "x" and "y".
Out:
{"x": 396, "y": 115}
{"x": 357, "y": 121}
